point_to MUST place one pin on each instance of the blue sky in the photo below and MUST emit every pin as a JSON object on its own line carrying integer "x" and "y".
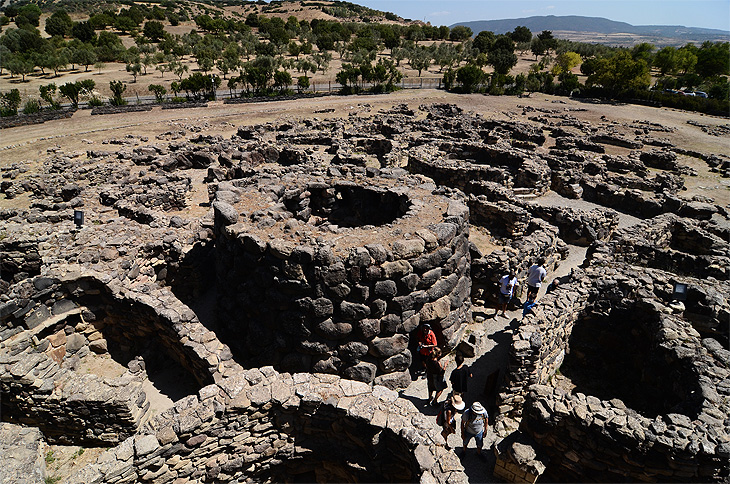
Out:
{"x": 713, "y": 14}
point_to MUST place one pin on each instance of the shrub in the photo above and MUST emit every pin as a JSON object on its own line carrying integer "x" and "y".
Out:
{"x": 31, "y": 106}
{"x": 95, "y": 102}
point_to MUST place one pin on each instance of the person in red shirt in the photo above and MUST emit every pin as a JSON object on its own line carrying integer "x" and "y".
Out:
{"x": 426, "y": 343}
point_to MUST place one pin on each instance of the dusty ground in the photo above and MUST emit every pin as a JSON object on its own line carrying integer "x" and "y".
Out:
{"x": 83, "y": 131}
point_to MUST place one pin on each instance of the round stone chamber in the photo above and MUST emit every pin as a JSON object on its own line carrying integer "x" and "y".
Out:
{"x": 334, "y": 274}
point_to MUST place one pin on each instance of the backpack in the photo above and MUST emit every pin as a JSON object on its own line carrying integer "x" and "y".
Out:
{"x": 440, "y": 417}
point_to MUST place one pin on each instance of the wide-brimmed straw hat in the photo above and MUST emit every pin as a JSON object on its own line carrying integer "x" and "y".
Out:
{"x": 477, "y": 407}
{"x": 457, "y": 402}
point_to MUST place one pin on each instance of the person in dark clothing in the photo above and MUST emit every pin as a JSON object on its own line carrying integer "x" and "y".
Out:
{"x": 460, "y": 376}
{"x": 435, "y": 376}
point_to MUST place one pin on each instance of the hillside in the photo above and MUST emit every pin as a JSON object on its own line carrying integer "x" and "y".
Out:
{"x": 575, "y": 27}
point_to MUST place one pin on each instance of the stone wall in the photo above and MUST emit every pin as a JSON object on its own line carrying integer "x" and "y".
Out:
{"x": 19, "y": 258}
{"x": 22, "y": 453}
{"x": 36, "y": 118}
{"x": 578, "y": 227}
{"x": 540, "y": 239}
{"x": 130, "y": 108}
{"x": 539, "y": 345}
{"x": 680, "y": 245}
{"x": 75, "y": 315}
{"x": 459, "y": 165}
{"x": 266, "y": 426}
{"x": 343, "y": 307}
{"x": 592, "y": 439}
{"x": 620, "y": 430}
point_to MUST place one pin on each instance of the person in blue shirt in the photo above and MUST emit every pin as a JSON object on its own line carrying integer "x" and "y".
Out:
{"x": 529, "y": 304}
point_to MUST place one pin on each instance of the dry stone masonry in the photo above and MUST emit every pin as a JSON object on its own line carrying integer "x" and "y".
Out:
{"x": 335, "y": 274}
{"x": 278, "y": 277}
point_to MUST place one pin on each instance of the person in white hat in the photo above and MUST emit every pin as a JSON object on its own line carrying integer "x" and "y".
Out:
{"x": 474, "y": 423}
{"x": 447, "y": 415}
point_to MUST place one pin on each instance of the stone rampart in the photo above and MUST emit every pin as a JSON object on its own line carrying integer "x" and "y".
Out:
{"x": 68, "y": 318}
{"x": 266, "y": 426}
{"x": 316, "y": 296}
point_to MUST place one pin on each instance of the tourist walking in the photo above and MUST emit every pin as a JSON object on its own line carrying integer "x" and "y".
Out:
{"x": 435, "y": 376}
{"x": 535, "y": 275}
{"x": 426, "y": 343}
{"x": 506, "y": 289}
{"x": 529, "y": 305}
{"x": 460, "y": 376}
{"x": 447, "y": 416}
{"x": 474, "y": 424}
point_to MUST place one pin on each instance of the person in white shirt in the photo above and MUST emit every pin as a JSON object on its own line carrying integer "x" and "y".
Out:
{"x": 535, "y": 275}
{"x": 506, "y": 290}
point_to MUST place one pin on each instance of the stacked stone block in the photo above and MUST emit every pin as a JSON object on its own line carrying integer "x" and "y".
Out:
{"x": 339, "y": 308}
{"x": 68, "y": 317}
{"x": 264, "y": 426}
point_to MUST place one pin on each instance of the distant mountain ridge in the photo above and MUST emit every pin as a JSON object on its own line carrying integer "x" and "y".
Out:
{"x": 577, "y": 23}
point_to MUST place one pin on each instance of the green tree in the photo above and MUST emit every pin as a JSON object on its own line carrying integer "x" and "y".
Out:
{"x": 419, "y": 59}
{"x": 713, "y": 59}
{"x": 260, "y": 72}
{"x": 59, "y": 23}
{"x": 620, "y": 73}
{"x": 547, "y": 39}
{"x": 117, "y": 88}
{"x": 302, "y": 83}
{"x": 74, "y": 90}
{"x": 282, "y": 79}
{"x": 109, "y": 47}
{"x": 348, "y": 77}
{"x": 643, "y": 51}
{"x": 460, "y": 33}
{"x": 470, "y": 77}
{"x": 84, "y": 56}
{"x": 46, "y": 92}
{"x": 565, "y": 62}
{"x": 83, "y": 31}
{"x": 159, "y": 92}
{"x": 386, "y": 75}
{"x": 154, "y": 30}
{"x": 502, "y": 55}
{"x": 19, "y": 65}
{"x": 28, "y": 15}
{"x": 666, "y": 60}
{"x": 483, "y": 41}
{"x": 521, "y": 34}
{"x": 449, "y": 78}
{"x": 686, "y": 58}
{"x": 125, "y": 24}
{"x": 135, "y": 69}
{"x": 9, "y": 102}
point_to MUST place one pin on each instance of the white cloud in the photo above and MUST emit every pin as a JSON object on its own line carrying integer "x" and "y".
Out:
{"x": 550, "y": 7}
{"x": 442, "y": 13}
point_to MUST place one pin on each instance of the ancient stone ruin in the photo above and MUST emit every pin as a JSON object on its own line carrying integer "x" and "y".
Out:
{"x": 245, "y": 308}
